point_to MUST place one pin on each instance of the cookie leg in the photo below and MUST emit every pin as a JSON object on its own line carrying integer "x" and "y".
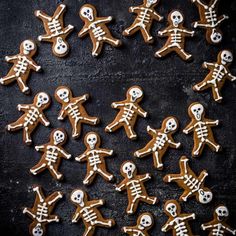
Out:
{"x": 213, "y": 145}
{"x": 181, "y": 52}
{"x": 103, "y": 172}
{"x": 104, "y": 222}
{"x": 89, "y": 231}
{"x": 89, "y": 177}
{"x": 149, "y": 200}
{"x": 76, "y": 128}
{"x": 146, "y": 35}
{"x": 91, "y": 120}
{"x": 216, "y": 94}
{"x": 39, "y": 167}
{"x": 54, "y": 172}
{"x": 15, "y": 125}
{"x": 132, "y": 206}
{"x": 143, "y": 152}
{"x": 113, "y": 126}
{"x": 166, "y": 49}
{"x": 185, "y": 196}
{"x": 157, "y": 159}
{"x": 27, "y": 136}
{"x": 22, "y": 85}
{"x": 111, "y": 40}
{"x": 172, "y": 177}
{"x": 7, "y": 79}
{"x": 97, "y": 48}
{"x": 197, "y": 149}
{"x": 131, "y": 30}
{"x": 130, "y": 132}
{"x": 200, "y": 86}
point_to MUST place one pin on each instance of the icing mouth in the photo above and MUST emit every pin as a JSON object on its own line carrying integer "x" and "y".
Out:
{"x": 220, "y": 218}
{"x": 129, "y": 173}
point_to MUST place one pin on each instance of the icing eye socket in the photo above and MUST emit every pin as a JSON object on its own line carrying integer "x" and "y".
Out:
{"x": 224, "y": 212}
{"x": 89, "y": 139}
{"x": 64, "y": 92}
{"x": 199, "y": 109}
{"x": 178, "y": 17}
{"x": 126, "y": 168}
{"x": 130, "y": 166}
{"x": 194, "y": 110}
{"x": 63, "y": 46}
{"x": 94, "y": 139}
{"x": 45, "y": 99}
{"x": 88, "y": 11}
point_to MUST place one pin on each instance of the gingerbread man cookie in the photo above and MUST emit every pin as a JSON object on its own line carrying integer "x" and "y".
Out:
{"x": 218, "y": 225}
{"x": 176, "y": 34}
{"x": 144, "y": 223}
{"x": 56, "y": 33}
{"x": 177, "y": 222}
{"x": 96, "y": 27}
{"x": 33, "y": 115}
{"x": 129, "y": 111}
{"x": 219, "y": 73}
{"x": 41, "y": 212}
{"x": 88, "y": 212}
{"x": 209, "y": 20}
{"x": 94, "y": 156}
{"x": 52, "y": 154}
{"x": 23, "y": 63}
{"x": 145, "y": 15}
{"x": 161, "y": 141}
{"x": 201, "y": 128}
{"x": 134, "y": 184}
{"x": 192, "y": 185}
{"x": 74, "y": 109}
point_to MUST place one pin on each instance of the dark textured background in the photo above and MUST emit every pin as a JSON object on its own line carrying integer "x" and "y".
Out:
{"x": 167, "y": 86}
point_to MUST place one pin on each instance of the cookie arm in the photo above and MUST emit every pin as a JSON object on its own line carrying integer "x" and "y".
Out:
{"x": 118, "y": 104}
{"x": 189, "y": 216}
{"x": 104, "y": 19}
{"x": 83, "y": 31}
{"x": 39, "y": 148}
{"x": 188, "y": 32}
{"x": 96, "y": 203}
{"x": 141, "y": 112}
{"x": 167, "y": 226}
{"x": 229, "y": 229}
{"x": 151, "y": 131}
{"x": 108, "y": 152}
{"x": 121, "y": 186}
{"x": 81, "y": 157}
{"x": 129, "y": 230}
{"x": 53, "y": 198}
{"x": 208, "y": 225}
{"x": 11, "y": 59}
{"x": 76, "y": 216}
{"x": 144, "y": 177}
{"x": 44, "y": 120}
{"x": 23, "y": 107}
{"x": 189, "y": 128}
{"x": 212, "y": 122}
{"x": 157, "y": 17}
{"x": 64, "y": 153}
{"x": 208, "y": 65}
{"x": 62, "y": 115}
{"x": 162, "y": 33}
{"x": 33, "y": 65}
{"x": 82, "y": 99}
{"x": 173, "y": 144}
{"x": 134, "y": 9}
{"x": 29, "y": 212}
{"x": 231, "y": 77}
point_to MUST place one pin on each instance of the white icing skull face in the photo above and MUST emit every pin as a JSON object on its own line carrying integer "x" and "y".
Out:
{"x": 37, "y": 230}
{"x": 60, "y": 47}
{"x": 226, "y": 57}
{"x": 42, "y": 99}
{"x": 92, "y": 140}
{"x": 171, "y": 125}
{"x": 145, "y": 221}
{"x": 129, "y": 168}
{"x": 176, "y": 18}
{"x": 28, "y": 46}
{"x": 150, "y": 2}
{"x": 197, "y": 110}
{"x": 87, "y": 13}
{"x": 63, "y": 94}
{"x": 205, "y": 196}
{"x": 216, "y": 36}
{"x": 58, "y": 137}
{"x": 135, "y": 93}
{"x": 172, "y": 209}
{"x": 222, "y": 213}
{"x": 78, "y": 197}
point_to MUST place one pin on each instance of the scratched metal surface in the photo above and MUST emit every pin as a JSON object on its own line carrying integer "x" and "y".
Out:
{"x": 167, "y": 86}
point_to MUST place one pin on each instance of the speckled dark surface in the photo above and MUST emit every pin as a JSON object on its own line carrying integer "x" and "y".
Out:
{"x": 167, "y": 86}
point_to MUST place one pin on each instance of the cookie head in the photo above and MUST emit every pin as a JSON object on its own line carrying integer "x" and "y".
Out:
{"x": 42, "y": 100}
{"x": 60, "y": 47}
{"x": 170, "y": 124}
{"x": 172, "y": 208}
{"x": 150, "y": 3}
{"x": 58, "y": 136}
{"x": 134, "y": 94}
{"x": 28, "y": 48}
{"x": 145, "y": 221}
{"x": 63, "y": 94}
{"x": 92, "y": 140}
{"x": 176, "y": 18}
{"x": 128, "y": 169}
{"x": 215, "y": 35}
{"x": 225, "y": 57}
{"x": 88, "y": 13}
{"x": 221, "y": 213}
{"x": 204, "y": 195}
{"x": 78, "y": 196}
{"x": 38, "y": 230}
{"x": 196, "y": 111}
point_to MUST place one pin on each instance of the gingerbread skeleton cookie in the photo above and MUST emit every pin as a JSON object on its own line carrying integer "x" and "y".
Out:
{"x": 134, "y": 184}
{"x": 161, "y": 141}
{"x": 176, "y": 34}
{"x": 74, "y": 109}
{"x": 146, "y": 14}
{"x": 94, "y": 156}
{"x": 209, "y": 20}
{"x": 219, "y": 73}
{"x": 56, "y": 33}
{"x": 201, "y": 128}
{"x": 218, "y": 225}
{"x": 33, "y": 115}
{"x": 23, "y": 63}
{"x": 52, "y": 154}
{"x": 41, "y": 212}
{"x": 177, "y": 222}
{"x": 129, "y": 112}
{"x": 88, "y": 212}
{"x": 192, "y": 184}
{"x": 144, "y": 223}
{"x": 96, "y": 27}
